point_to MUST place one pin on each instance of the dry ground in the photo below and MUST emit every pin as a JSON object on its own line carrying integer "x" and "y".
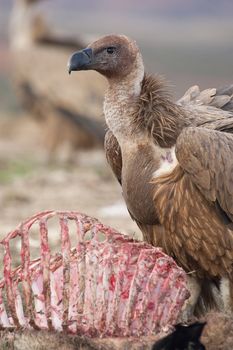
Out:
{"x": 30, "y": 184}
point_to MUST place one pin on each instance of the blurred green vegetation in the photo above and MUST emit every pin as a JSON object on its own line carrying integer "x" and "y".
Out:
{"x": 10, "y": 170}
{"x": 8, "y": 100}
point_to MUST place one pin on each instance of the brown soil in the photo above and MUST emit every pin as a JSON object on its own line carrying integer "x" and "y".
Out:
{"x": 29, "y": 183}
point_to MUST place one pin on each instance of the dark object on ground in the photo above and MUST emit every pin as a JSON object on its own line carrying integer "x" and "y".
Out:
{"x": 183, "y": 338}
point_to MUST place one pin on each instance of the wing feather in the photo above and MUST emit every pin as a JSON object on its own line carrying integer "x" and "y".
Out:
{"x": 206, "y": 156}
{"x": 113, "y": 154}
{"x": 219, "y": 98}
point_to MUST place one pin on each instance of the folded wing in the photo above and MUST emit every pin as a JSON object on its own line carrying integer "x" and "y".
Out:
{"x": 206, "y": 156}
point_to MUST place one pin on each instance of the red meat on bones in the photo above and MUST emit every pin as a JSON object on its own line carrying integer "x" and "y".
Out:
{"x": 108, "y": 284}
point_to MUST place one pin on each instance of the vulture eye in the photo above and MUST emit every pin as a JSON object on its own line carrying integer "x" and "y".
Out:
{"x": 111, "y": 49}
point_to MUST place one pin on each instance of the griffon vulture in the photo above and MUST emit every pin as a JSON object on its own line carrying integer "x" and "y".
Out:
{"x": 68, "y": 113}
{"x": 174, "y": 162}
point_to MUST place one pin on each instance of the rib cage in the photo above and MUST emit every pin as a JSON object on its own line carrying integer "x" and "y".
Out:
{"x": 107, "y": 285}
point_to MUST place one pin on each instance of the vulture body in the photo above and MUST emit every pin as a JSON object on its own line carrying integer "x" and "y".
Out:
{"x": 68, "y": 113}
{"x": 174, "y": 163}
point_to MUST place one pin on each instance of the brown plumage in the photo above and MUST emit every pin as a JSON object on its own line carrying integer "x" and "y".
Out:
{"x": 151, "y": 108}
{"x": 174, "y": 193}
{"x": 174, "y": 162}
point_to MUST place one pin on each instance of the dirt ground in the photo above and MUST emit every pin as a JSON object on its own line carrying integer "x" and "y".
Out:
{"x": 30, "y": 184}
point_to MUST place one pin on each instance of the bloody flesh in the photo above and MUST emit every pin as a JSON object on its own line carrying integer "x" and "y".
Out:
{"x": 108, "y": 284}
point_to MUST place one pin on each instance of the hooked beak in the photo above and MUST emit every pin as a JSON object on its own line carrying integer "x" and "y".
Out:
{"x": 80, "y": 60}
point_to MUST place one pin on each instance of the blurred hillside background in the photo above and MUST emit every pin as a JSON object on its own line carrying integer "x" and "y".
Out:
{"x": 190, "y": 42}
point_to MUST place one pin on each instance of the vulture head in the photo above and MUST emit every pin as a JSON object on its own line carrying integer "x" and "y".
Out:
{"x": 114, "y": 56}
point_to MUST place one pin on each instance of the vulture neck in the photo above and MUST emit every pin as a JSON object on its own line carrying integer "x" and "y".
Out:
{"x": 139, "y": 109}
{"x": 120, "y": 99}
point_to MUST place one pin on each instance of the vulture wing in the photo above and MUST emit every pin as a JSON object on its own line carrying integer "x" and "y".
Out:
{"x": 113, "y": 154}
{"x": 209, "y": 150}
{"x": 206, "y": 156}
{"x": 211, "y": 108}
{"x": 219, "y": 98}
{"x": 114, "y": 159}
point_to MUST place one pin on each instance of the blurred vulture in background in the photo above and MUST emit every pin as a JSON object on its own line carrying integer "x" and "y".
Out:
{"x": 69, "y": 111}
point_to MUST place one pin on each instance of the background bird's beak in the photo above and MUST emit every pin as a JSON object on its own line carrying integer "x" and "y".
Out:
{"x": 80, "y": 60}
